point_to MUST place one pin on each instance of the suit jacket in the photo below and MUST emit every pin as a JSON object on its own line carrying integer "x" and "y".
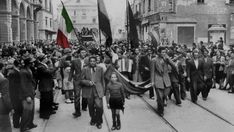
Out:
{"x": 144, "y": 67}
{"x": 209, "y": 69}
{"x": 45, "y": 77}
{"x": 195, "y": 73}
{"x": 27, "y": 83}
{"x": 5, "y": 104}
{"x": 14, "y": 87}
{"x": 159, "y": 73}
{"x": 98, "y": 79}
{"x": 75, "y": 72}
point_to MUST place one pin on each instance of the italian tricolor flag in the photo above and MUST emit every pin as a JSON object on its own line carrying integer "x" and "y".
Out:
{"x": 65, "y": 27}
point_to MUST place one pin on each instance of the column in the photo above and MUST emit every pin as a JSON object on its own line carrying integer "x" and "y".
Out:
{"x": 15, "y": 28}
{"x": 23, "y": 30}
{"x": 36, "y": 30}
{"x": 30, "y": 32}
{"x": 5, "y": 26}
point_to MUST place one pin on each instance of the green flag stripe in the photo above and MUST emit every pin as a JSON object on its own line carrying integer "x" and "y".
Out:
{"x": 68, "y": 21}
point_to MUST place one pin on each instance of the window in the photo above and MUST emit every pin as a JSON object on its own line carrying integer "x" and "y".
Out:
{"x": 140, "y": 8}
{"x": 200, "y": 1}
{"x": 149, "y": 5}
{"x": 143, "y": 6}
{"x": 74, "y": 21}
{"x": 74, "y": 12}
{"x": 50, "y": 22}
{"x": 46, "y": 21}
{"x": 172, "y": 5}
{"x": 94, "y": 20}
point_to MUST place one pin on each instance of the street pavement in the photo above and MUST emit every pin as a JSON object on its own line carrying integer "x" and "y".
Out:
{"x": 214, "y": 115}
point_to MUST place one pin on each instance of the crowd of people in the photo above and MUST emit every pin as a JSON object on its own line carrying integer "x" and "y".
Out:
{"x": 80, "y": 72}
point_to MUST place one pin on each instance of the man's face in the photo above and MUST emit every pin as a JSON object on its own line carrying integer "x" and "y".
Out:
{"x": 83, "y": 53}
{"x": 163, "y": 53}
{"x": 195, "y": 54}
{"x": 93, "y": 62}
{"x": 145, "y": 47}
{"x": 137, "y": 51}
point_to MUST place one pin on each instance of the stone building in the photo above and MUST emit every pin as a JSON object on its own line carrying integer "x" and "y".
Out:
{"x": 83, "y": 13}
{"x": 186, "y": 21}
{"x": 46, "y": 22}
{"x": 18, "y": 20}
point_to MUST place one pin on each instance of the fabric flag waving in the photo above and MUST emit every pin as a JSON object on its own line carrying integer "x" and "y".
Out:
{"x": 104, "y": 22}
{"x": 130, "y": 86}
{"x": 154, "y": 38}
{"x": 65, "y": 27}
{"x": 131, "y": 23}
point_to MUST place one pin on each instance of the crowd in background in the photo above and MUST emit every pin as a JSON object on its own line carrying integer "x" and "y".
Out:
{"x": 45, "y": 67}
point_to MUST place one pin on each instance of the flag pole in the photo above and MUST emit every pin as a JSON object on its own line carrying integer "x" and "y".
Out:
{"x": 99, "y": 31}
{"x": 127, "y": 26}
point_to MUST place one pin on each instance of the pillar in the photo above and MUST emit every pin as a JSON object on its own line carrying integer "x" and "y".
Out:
{"x": 5, "y": 26}
{"x": 23, "y": 30}
{"x": 15, "y": 28}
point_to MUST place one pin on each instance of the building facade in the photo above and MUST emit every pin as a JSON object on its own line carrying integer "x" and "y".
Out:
{"x": 186, "y": 21}
{"x": 18, "y": 20}
{"x": 83, "y": 13}
{"x": 46, "y": 22}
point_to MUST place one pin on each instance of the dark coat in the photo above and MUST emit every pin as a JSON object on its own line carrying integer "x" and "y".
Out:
{"x": 75, "y": 72}
{"x": 98, "y": 79}
{"x": 45, "y": 77}
{"x": 144, "y": 67}
{"x": 27, "y": 83}
{"x": 195, "y": 73}
{"x": 209, "y": 69}
{"x": 14, "y": 87}
{"x": 5, "y": 104}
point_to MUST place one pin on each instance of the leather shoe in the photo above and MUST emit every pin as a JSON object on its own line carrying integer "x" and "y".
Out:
{"x": 84, "y": 109}
{"x": 99, "y": 126}
{"x": 52, "y": 112}
{"x": 92, "y": 123}
{"x": 32, "y": 126}
{"x": 75, "y": 115}
{"x": 45, "y": 117}
{"x": 55, "y": 104}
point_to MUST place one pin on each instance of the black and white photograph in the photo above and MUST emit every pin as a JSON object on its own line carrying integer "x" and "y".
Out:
{"x": 116, "y": 65}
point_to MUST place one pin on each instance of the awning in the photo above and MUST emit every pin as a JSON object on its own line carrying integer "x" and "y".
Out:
{"x": 144, "y": 22}
{"x": 217, "y": 28}
{"x": 50, "y": 31}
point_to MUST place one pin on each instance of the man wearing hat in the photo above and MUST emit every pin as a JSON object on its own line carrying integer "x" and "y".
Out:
{"x": 46, "y": 84}
{"x": 28, "y": 92}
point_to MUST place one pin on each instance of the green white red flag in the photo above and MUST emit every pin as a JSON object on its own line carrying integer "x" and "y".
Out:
{"x": 65, "y": 27}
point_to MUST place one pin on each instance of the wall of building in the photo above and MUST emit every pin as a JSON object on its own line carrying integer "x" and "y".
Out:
{"x": 17, "y": 21}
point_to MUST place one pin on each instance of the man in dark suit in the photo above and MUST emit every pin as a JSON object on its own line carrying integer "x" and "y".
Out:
{"x": 160, "y": 78}
{"x": 5, "y": 103}
{"x": 75, "y": 74}
{"x": 209, "y": 74}
{"x": 28, "y": 92}
{"x": 195, "y": 75}
{"x": 46, "y": 84}
{"x": 14, "y": 88}
{"x": 93, "y": 82}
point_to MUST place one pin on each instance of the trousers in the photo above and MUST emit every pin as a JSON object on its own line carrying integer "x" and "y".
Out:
{"x": 95, "y": 105}
{"x": 28, "y": 114}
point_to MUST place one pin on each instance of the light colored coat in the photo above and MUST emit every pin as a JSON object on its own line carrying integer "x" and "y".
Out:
{"x": 159, "y": 74}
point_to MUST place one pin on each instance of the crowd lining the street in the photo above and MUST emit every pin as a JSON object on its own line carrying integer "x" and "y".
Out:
{"x": 29, "y": 69}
